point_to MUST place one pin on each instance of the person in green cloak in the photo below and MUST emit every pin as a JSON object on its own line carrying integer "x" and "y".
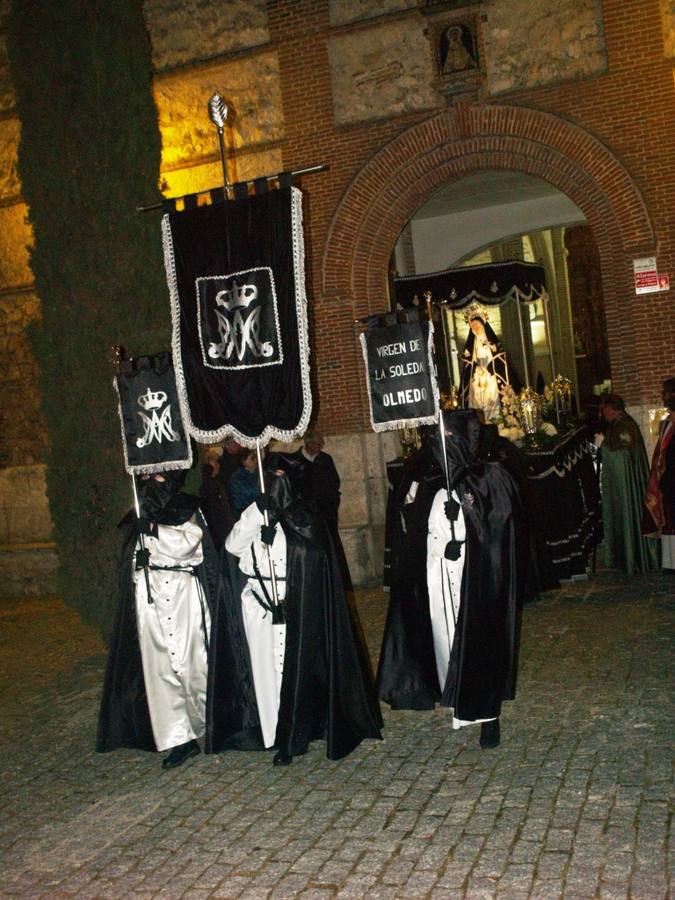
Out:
{"x": 625, "y": 470}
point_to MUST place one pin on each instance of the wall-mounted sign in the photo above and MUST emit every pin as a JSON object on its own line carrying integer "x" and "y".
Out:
{"x": 646, "y": 275}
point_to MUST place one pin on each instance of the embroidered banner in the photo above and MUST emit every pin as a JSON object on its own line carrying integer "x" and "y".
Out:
{"x": 401, "y": 377}
{"x": 153, "y": 435}
{"x": 236, "y": 277}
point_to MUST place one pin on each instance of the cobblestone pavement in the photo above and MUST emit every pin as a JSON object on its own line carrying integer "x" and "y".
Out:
{"x": 573, "y": 804}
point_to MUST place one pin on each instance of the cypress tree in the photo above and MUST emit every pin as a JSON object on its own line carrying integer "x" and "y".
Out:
{"x": 89, "y": 153}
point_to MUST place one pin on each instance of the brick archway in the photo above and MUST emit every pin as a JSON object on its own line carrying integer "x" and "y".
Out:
{"x": 469, "y": 138}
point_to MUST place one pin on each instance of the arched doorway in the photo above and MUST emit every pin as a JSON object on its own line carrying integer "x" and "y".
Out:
{"x": 472, "y": 138}
{"x": 494, "y": 216}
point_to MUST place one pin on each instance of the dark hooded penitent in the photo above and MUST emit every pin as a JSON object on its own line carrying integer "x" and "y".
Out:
{"x": 154, "y": 694}
{"x": 283, "y": 675}
{"x": 456, "y": 587}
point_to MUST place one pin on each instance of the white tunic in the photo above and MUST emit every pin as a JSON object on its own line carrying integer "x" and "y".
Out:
{"x": 171, "y": 634}
{"x": 266, "y": 642}
{"x": 444, "y": 584}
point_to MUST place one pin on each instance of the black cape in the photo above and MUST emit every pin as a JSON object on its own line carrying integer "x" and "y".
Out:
{"x": 124, "y": 717}
{"x": 406, "y": 675}
{"x": 327, "y": 688}
{"x": 483, "y": 662}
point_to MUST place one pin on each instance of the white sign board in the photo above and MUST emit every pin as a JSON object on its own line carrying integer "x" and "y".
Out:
{"x": 646, "y": 275}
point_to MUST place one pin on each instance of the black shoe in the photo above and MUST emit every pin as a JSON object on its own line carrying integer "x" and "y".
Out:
{"x": 489, "y": 734}
{"x": 179, "y": 754}
{"x": 282, "y": 759}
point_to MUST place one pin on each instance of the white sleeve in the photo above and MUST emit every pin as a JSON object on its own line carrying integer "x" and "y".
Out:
{"x": 244, "y": 531}
{"x": 439, "y": 528}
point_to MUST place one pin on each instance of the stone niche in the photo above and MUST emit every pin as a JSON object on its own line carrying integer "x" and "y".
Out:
{"x": 381, "y": 71}
{"x": 532, "y": 44}
{"x": 183, "y": 31}
{"x": 250, "y": 84}
{"x": 344, "y": 11}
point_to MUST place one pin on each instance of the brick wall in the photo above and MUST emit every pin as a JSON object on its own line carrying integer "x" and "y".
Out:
{"x": 607, "y": 141}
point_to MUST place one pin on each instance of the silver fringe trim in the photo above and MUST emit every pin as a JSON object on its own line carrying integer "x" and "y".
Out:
{"x": 270, "y": 432}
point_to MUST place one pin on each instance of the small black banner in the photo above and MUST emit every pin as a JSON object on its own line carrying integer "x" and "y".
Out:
{"x": 402, "y": 385}
{"x": 153, "y": 435}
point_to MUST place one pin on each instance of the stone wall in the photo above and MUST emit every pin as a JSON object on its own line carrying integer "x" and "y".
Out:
{"x": 668, "y": 20}
{"x": 7, "y": 97}
{"x": 361, "y": 460}
{"x": 532, "y": 44}
{"x": 24, "y": 439}
{"x": 251, "y": 84}
{"x": 380, "y": 71}
{"x": 344, "y": 11}
{"x": 182, "y": 31}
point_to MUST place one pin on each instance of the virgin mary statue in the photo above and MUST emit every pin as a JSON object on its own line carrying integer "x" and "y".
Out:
{"x": 485, "y": 370}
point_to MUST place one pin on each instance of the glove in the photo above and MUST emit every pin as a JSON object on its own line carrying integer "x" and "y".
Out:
{"x": 142, "y": 558}
{"x": 264, "y": 502}
{"x": 267, "y": 533}
{"x": 453, "y": 550}
{"x": 146, "y": 526}
{"x": 451, "y": 507}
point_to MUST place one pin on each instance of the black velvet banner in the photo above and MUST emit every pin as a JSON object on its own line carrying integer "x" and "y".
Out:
{"x": 153, "y": 434}
{"x": 400, "y": 371}
{"x": 492, "y": 284}
{"x": 236, "y": 275}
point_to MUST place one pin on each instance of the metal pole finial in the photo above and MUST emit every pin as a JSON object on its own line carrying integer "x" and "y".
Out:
{"x": 219, "y": 111}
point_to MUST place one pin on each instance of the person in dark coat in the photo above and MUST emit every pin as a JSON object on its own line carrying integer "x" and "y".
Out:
{"x": 154, "y": 692}
{"x": 244, "y": 484}
{"x": 283, "y": 676}
{"x": 323, "y": 481}
{"x": 465, "y": 594}
{"x": 406, "y": 676}
{"x": 214, "y": 493}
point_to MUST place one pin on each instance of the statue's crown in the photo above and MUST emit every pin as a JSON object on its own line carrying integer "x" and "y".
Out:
{"x": 152, "y": 399}
{"x": 476, "y": 310}
{"x": 239, "y": 295}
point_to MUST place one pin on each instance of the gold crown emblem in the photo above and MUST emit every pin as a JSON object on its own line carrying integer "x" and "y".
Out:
{"x": 476, "y": 310}
{"x": 152, "y": 399}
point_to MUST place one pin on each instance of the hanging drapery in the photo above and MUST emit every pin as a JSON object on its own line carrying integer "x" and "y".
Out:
{"x": 400, "y": 373}
{"x": 153, "y": 433}
{"x": 492, "y": 284}
{"x": 236, "y": 277}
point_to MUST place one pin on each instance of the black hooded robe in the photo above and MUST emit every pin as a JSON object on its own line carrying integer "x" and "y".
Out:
{"x": 327, "y": 688}
{"x": 406, "y": 675}
{"x": 483, "y": 661}
{"x": 124, "y": 717}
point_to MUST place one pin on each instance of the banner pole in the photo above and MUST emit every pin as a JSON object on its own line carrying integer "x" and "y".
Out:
{"x": 441, "y": 424}
{"x": 261, "y": 482}
{"x": 219, "y": 111}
